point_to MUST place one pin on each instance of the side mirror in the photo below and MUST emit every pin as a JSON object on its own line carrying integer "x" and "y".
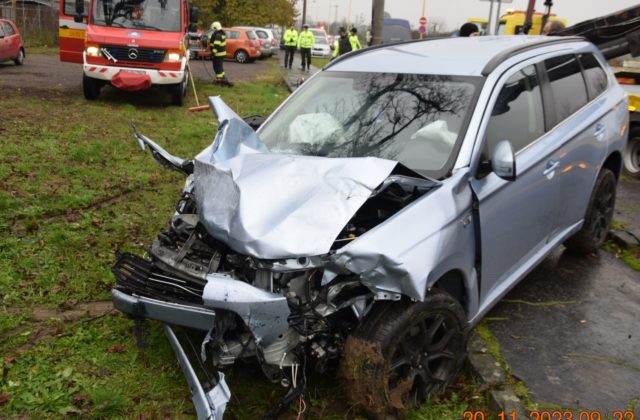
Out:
{"x": 193, "y": 15}
{"x": 503, "y": 161}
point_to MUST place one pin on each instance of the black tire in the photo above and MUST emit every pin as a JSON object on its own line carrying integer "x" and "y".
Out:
{"x": 599, "y": 214}
{"x": 632, "y": 154}
{"x": 19, "y": 60}
{"x": 179, "y": 91}
{"x": 404, "y": 352}
{"x": 241, "y": 56}
{"x": 91, "y": 88}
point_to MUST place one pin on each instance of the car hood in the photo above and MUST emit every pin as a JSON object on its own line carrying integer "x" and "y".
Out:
{"x": 276, "y": 206}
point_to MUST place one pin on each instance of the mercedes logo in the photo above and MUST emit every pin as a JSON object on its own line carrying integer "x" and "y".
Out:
{"x": 132, "y": 54}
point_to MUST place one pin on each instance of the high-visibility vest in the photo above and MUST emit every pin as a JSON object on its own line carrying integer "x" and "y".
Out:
{"x": 355, "y": 42}
{"x": 291, "y": 38}
{"x": 218, "y": 44}
{"x": 306, "y": 39}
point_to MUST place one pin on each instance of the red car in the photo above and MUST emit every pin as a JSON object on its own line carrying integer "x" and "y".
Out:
{"x": 11, "y": 46}
{"x": 243, "y": 45}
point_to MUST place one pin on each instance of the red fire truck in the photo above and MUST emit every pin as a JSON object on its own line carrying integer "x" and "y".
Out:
{"x": 130, "y": 44}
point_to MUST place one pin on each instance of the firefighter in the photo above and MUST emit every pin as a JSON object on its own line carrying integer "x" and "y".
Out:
{"x": 218, "y": 47}
{"x": 354, "y": 40}
{"x": 344, "y": 44}
{"x": 290, "y": 43}
{"x": 306, "y": 40}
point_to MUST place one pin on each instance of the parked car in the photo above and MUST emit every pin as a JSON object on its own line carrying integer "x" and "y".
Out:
{"x": 242, "y": 45}
{"x": 265, "y": 38}
{"x": 381, "y": 211}
{"x": 321, "y": 48}
{"x": 11, "y": 45}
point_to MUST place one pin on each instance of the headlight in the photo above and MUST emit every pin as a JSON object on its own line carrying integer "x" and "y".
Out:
{"x": 173, "y": 56}
{"x": 93, "y": 51}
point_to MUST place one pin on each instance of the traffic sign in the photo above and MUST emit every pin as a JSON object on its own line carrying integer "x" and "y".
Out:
{"x": 423, "y": 21}
{"x": 422, "y": 29}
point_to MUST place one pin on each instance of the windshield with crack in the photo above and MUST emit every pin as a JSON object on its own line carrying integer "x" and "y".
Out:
{"x": 417, "y": 120}
{"x": 150, "y": 15}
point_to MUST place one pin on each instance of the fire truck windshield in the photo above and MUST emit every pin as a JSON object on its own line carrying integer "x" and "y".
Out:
{"x": 153, "y": 15}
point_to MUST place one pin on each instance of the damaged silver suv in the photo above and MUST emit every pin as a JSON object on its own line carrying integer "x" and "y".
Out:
{"x": 377, "y": 215}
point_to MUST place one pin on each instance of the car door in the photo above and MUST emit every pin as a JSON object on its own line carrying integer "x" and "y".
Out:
{"x": 71, "y": 34}
{"x": 515, "y": 217}
{"x": 12, "y": 39}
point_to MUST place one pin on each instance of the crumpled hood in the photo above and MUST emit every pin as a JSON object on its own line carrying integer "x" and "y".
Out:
{"x": 276, "y": 206}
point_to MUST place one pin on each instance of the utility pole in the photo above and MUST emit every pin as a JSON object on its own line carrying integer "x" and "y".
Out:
{"x": 335, "y": 18}
{"x": 377, "y": 22}
{"x": 13, "y": 11}
{"x": 349, "y": 16}
{"x": 490, "y": 20}
{"x": 304, "y": 11}
{"x": 495, "y": 30}
{"x": 423, "y": 14}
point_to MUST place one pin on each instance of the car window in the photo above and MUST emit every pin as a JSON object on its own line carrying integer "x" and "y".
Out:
{"x": 517, "y": 115}
{"x": 262, "y": 34}
{"x": 251, "y": 35}
{"x": 567, "y": 85}
{"x": 232, "y": 34}
{"x": 1, "y": 31}
{"x": 70, "y": 7}
{"x": 414, "y": 119}
{"x": 8, "y": 29}
{"x": 594, "y": 75}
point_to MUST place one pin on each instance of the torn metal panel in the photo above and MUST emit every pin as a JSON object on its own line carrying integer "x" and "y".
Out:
{"x": 400, "y": 254}
{"x": 209, "y": 404}
{"x": 278, "y": 206}
{"x": 265, "y": 313}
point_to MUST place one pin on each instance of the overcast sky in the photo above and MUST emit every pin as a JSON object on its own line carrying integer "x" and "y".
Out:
{"x": 455, "y": 12}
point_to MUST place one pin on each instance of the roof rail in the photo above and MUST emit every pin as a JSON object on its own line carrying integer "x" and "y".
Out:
{"x": 511, "y": 52}
{"x": 377, "y": 47}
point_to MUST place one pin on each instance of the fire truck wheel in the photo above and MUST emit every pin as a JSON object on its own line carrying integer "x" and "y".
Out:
{"x": 178, "y": 92}
{"x": 91, "y": 88}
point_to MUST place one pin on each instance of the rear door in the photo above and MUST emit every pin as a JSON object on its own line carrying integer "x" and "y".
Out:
{"x": 71, "y": 33}
{"x": 12, "y": 40}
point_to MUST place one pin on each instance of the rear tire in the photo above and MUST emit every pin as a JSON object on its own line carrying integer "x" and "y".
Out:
{"x": 632, "y": 154}
{"x": 19, "y": 60}
{"x": 241, "y": 56}
{"x": 404, "y": 352}
{"x": 91, "y": 88}
{"x": 598, "y": 218}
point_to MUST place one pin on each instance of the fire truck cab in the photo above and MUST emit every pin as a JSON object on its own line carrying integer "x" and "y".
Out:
{"x": 130, "y": 44}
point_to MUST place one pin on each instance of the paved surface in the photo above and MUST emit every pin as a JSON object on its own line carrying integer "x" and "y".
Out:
{"x": 628, "y": 207}
{"x": 571, "y": 329}
{"x": 45, "y": 72}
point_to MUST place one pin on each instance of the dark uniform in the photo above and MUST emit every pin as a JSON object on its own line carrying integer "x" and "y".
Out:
{"x": 218, "y": 46}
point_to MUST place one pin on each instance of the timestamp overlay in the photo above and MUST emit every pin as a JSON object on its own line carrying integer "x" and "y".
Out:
{"x": 624, "y": 414}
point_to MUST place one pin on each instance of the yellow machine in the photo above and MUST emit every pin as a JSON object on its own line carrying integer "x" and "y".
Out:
{"x": 512, "y": 21}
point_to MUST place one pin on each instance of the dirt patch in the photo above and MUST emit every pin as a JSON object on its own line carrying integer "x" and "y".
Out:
{"x": 82, "y": 310}
{"x": 365, "y": 376}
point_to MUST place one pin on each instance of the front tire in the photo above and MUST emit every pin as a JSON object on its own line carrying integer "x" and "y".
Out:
{"x": 19, "y": 60}
{"x": 242, "y": 56}
{"x": 632, "y": 154}
{"x": 90, "y": 88}
{"x": 598, "y": 218}
{"x": 404, "y": 352}
{"x": 178, "y": 92}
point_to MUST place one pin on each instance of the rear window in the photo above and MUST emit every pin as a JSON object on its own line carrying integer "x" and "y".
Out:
{"x": 1, "y": 31}
{"x": 262, "y": 34}
{"x": 70, "y": 7}
{"x": 8, "y": 29}
{"x": 594, "y": 74}
{"x": 567, "y": 85}
{"x": 251, "y": 35}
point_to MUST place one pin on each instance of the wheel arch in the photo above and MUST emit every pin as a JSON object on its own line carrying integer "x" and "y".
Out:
{"x": 453, "y": 282}
{"x": 614, "y": 163}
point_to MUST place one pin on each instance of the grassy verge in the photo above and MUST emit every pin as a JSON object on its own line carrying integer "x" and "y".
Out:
{"x": 75, "y": 188}
{"x": 319, "y": 62}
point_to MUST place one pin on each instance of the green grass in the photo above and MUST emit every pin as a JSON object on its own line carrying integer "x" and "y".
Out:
{"x": 631, "y": 255}
{"x": 319, "y": 62}
{"x": 75, "y": 188}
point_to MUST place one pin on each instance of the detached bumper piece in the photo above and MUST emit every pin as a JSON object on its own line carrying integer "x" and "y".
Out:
{"x": 209, "y": 402}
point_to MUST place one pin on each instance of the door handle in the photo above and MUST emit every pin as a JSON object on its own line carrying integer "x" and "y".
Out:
{"x": 599, "y": 132}
{"x": 551, "y": 166}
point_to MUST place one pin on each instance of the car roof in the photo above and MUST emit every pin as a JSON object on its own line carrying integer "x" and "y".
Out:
{"x": 472, "y": 56}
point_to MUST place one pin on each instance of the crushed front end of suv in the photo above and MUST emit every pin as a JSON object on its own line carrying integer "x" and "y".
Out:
{"x": 375, "y": 217}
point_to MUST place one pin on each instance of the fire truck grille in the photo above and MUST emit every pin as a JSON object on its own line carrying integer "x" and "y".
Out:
{"x": 148, "y": 55}
{"x": 143, "y": 277}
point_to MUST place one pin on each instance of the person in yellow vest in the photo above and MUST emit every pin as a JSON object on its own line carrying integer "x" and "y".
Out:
{"x": 218, "y": 47}
{"x": 306, "y": 39}
{"x": 354, "y": 40}
{"x": 290, "y": 44}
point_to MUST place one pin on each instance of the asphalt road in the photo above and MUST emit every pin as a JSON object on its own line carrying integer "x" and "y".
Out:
{"x": 570, "y": 329}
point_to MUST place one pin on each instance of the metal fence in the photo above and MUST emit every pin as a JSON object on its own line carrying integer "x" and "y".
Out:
{"x": 37, "y": 21}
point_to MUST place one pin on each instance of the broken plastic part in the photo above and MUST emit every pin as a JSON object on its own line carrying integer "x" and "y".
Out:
{"x": 165, "y": 158}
